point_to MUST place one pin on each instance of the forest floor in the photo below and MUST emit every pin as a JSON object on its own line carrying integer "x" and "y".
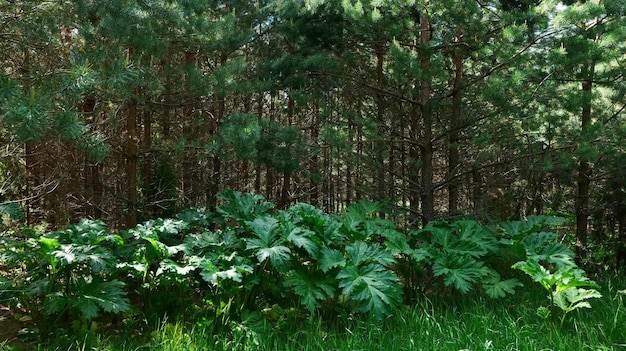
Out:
{"x": 440, "y": 323}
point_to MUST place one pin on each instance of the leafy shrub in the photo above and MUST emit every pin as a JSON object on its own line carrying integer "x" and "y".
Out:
{"x": 457, "y": 253}
{"x": 69, "y": 273}
{"x": 248, "y": 257}
{"x": 551, "y": 264}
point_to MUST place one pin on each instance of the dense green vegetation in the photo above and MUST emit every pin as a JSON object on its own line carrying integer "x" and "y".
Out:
{"x": 228, "y": 274}
{"x": 473, "y": 324}
{"x": 313, "y": 174}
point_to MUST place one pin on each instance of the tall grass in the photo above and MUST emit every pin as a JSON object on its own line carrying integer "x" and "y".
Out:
{"x": 445, "y": 323}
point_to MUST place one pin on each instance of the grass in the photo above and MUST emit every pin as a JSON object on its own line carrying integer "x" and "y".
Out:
{"x": 467, "y": 323}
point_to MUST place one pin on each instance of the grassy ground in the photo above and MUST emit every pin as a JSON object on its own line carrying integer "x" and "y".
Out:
{"x": 472, "y": 323}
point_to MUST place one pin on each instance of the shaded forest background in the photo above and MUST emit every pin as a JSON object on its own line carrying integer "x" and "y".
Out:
{"x": 127, "y": 110}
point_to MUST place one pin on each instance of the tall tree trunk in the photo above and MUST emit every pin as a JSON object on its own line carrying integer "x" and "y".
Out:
{"x": 427, "y": 191}
{"x": 214, "y": 181}
{"x": 379, "y": 145}
{"x": 258, "y": 169}
{"x": 584, "y": 175}
{"x": 93, "y": 181}
{"x": 284, "y": 194}
{"x": 455, "y": 117}
{"x": 314, "y": 167}
{"x": 29, "y": 161}
{"x": 146, "y": 169}
{"x": 131, "y": 164}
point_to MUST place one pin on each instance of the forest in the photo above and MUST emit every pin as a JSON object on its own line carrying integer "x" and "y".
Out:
{"x": 352, "y": 155}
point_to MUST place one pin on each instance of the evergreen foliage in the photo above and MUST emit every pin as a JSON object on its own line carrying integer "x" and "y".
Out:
{"x": 383, "y": 135}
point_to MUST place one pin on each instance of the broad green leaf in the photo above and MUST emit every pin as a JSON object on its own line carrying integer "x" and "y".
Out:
{"x": 267, "y": 244}
{"x": 331, "y": 233}
{"x": 472, "y": 231}
{"x": 55, "y": 302}
{"x": 360, "y": 252}
{"x": 310, "y": 214}
{"x": 313, "y": 289}
{"x": 109, "y": 296}
{"x": 278, "y": 255}
{"x": 519, "y": 229}
{"x": 111, "y": 238}
{"x": 208, "y": 272}
{"x": 537, "y": 272}
{"x": 421, "y": 255}
{"x": 265, "y": 229}
{"x": 48, "y": 244}
{"x": 460, "y": 271}
{"x": 100, "y": 261}
{"x": 331, "y": 258}
{"x": 234, "y": 273}
{"x": 168, "y": 227}
{"x": 66, "y": 255}
{"x": 243, "y": 207}
{"x": 301, "y": 237}
{"x": 396, "y": 242}
{"x": 495, "y": 287}
{"x": 570, "y": 277}
{"x": 374, "y": 287}
{"x": 88, "y": 306}
{"x": 574, "y": 298}
{"x": 171, "y": 266}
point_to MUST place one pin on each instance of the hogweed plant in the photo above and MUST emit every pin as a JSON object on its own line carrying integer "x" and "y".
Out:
{"x": 551, "y": 264}
{"x": 458, "y": 254}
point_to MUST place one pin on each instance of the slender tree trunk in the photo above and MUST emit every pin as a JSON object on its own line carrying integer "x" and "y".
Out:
{"x": 584, "y": 175}
{"x": 413, "y": 190}
{"x": 358, "y": 177}
{"x": 131, "y": 164}
{"x": 314, "y": 168}
{"x": 379, "y": 145}
{"x": 284, "y": 194}
{"x": 455, "y": 117}
{"x": 146, "y": 169}
{"x": 93, "y": 181}
{"x": 216, "y": 172}
{"x": 350, "y": 163}
{"x": 427, "y": 191}
{"x": 29, "y": 161}
{"x": 477, "y": 192}
{"x": 258, "y": 169}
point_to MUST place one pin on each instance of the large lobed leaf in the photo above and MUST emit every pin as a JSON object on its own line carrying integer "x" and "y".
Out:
{"x": 574, "y": 298}
{"x": 331, "y": 258}
{"x": 267, "y": 243}
{"x": 360, "y": 252}
{"x": 313, "y": 288}
{"x": 90, "y": 298}
{"x": 375, "y": 288}
{"x": 460, "y": 271}
{"x": 243, "y": 207}
{"x": 495, "y": 287}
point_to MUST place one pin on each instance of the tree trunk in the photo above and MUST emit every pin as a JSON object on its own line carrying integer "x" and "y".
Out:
{"x": 455, "y": 116}
{"x": 379, "y": 145}
{"x": 131, "y": 164}
{"x": 584, "y": 176}
{"x": 284, "y": 194}
{"x": 216, "y": 172}
{"x": 258, "y": 169}
{"x": 146, "y": 169}
{"x": 427, "y": 191}
{"x": 314, "y": 167}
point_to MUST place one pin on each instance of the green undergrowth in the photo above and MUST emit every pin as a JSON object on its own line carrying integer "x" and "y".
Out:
{"x": 440, "y": 323}
{"x": 253, "y": 276}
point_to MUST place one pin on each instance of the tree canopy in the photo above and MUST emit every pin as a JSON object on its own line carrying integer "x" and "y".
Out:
{"x": 127, "y": 110}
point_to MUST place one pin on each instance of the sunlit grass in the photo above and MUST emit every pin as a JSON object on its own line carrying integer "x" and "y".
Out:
{"x": 445, "y": 323}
